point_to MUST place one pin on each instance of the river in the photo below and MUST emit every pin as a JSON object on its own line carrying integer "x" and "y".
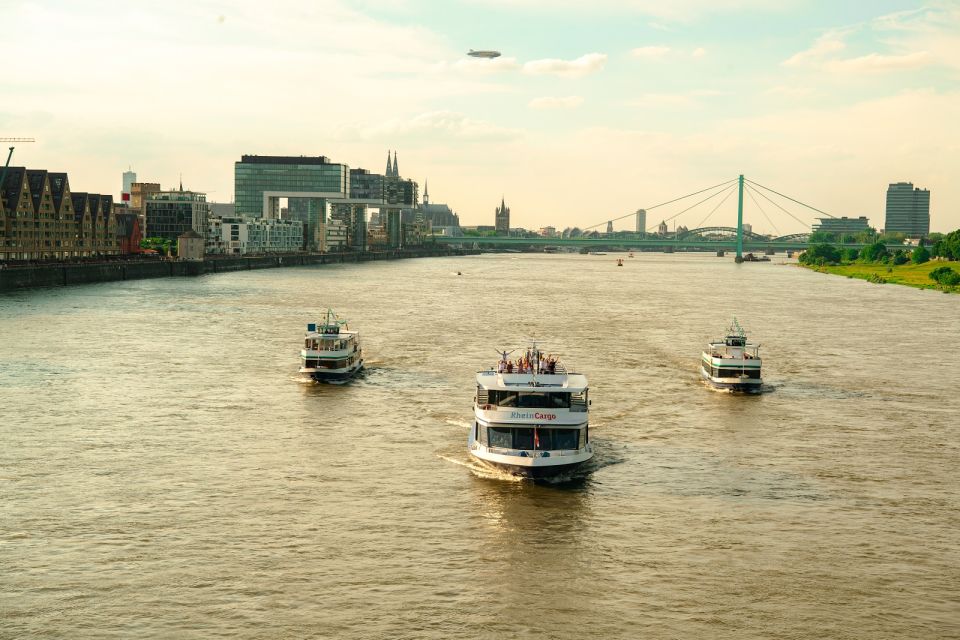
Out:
{"x": 164, "y": 475}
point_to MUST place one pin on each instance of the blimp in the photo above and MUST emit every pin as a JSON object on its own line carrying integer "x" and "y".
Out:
{"x": 483, "y": 54}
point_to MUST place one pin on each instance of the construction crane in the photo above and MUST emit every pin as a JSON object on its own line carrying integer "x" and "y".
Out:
{"x": 3, "y": 174}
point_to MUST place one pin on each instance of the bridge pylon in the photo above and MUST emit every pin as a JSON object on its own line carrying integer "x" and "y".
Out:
{"x": 739, "y": 257}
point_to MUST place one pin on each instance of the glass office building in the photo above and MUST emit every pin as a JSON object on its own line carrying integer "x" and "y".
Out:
{"x": 261, "y": 181}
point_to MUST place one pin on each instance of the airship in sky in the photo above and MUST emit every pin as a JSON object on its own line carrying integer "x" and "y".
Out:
{"x": 483, "y": 54}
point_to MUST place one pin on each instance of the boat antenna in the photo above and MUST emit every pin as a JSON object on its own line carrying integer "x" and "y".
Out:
{"x": 738, "y": 329}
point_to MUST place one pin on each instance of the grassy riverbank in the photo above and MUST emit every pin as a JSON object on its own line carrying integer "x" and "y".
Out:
{"x": 911, "y": 275}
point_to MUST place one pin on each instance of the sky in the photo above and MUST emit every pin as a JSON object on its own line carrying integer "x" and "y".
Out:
{"x": 595, "y": 109}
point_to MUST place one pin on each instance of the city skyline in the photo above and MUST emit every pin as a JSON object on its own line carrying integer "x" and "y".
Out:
{"x": 644, "y": 101}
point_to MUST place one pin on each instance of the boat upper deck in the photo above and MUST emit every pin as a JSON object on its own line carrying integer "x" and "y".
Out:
{"x": 494, "y": 380}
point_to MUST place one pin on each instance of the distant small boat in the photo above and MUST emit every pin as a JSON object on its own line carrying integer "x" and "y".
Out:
{"x": 598, "y": 253}
{"x": 619, "y": 262}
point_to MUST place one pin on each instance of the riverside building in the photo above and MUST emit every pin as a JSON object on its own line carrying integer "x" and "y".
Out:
{"x": 242, "y": 235}
{"x": 842, "y": 226}
{"x": 171, "y": 213}
{"x": 908, "y": 210}
{"x": 41, "y": 218}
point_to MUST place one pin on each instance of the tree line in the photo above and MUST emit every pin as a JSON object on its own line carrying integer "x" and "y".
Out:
{"x": 944, "y": 246}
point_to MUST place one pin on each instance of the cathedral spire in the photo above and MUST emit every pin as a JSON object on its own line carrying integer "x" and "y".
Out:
{"x": 396, "y": 171}
{"x": 387, "y": 173}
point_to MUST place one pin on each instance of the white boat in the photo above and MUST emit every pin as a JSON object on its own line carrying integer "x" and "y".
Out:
{"x": 733, "y": 363}
{"x": 530, "y": 419}
{"x": 331, "y": 352}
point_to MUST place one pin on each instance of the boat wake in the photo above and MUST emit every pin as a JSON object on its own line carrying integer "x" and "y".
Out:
{"x": 481, "y": 470}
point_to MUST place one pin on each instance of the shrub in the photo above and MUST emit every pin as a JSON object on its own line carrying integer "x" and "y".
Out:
{"x": 945, "y": 276}
{"x": 900, "y": 258}
{"x": 920, "y": 255}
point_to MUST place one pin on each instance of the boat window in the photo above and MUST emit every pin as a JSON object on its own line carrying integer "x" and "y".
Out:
{"x": 561, "y": 438}
{"x": 523, "y": 438}
{"x": 500, "y": 437}
{"x": 584, "y": 437}
{"x": 736, "y": 373}
{"x": 530, "y": 400}
{"x": 483, "y": 437}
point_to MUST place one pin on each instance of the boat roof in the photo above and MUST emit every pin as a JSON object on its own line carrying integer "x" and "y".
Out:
{"x": 568, "y": 382}
{"x": 341, "y": 333}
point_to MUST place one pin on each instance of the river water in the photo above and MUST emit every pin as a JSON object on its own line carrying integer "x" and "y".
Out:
{"x": 164, "y": 475}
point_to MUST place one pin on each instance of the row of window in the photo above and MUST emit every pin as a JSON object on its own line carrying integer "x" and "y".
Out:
{"x": 733, "y": 373}
{"x": 531, "y": 438}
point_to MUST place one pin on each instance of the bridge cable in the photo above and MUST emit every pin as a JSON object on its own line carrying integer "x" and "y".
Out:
{"x": 750, "y": 193}
{"x": 710, "y": 197}
{"x": 722, "y": 184}
{"x": 791, "y": 199}
{"x": 777, "y": 205}
{"x": 712, "y": 211}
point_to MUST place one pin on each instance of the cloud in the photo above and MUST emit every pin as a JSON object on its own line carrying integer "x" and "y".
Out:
{"x": 582, "y": 66}
{"x": 876, "y": 63}
{"x": 433, "y": 124}
{"x": 662, "y": 100}
{"x": 699, "y": 52}
{"x": 829, "y": 43}
{"x": 547, "y": 102}
{"x": 650, "y": 52}
{"x": 791, "y": 92}
{"x": 487, "y": 66}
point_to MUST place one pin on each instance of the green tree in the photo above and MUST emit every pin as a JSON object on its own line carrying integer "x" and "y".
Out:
{"x": 920, "y": 255}
{"x": 900, "y": 257}
{"x": 874, "y": 252}
{"x": 820, "y": 254}
{"x": 821, "y": 237}
{"x": 849, "y": 254}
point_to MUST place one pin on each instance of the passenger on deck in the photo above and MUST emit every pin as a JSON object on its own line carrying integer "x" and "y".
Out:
{"x": 509, "y": 367}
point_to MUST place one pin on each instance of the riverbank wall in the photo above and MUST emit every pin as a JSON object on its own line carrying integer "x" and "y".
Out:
{"x": 64, "y": 274}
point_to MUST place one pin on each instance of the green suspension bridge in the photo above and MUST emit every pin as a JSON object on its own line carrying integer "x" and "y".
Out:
{"x": 702, "y": 238}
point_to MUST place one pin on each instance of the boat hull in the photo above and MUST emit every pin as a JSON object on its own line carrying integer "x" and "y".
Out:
{"x": 336, "y": 376}
{"x": 533, "y": 473}
{"x": 750, "y": 385}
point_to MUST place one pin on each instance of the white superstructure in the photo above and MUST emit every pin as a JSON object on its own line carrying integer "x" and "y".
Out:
{"x": 733, "y": 363}
{"x": 531, "y": 416}
{"x": 331, "y": 352}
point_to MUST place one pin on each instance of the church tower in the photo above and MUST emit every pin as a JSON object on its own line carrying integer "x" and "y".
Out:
{"x": 502, "y": 219}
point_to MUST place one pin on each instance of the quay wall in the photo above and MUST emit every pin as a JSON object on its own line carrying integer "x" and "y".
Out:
{"x": 61, "y": 274}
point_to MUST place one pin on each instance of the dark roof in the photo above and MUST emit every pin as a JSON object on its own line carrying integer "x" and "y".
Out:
{"x": 58, "y": 185}
{"x": 37, "y": 178}
{"x": 12, "y": 184}
{"x": 284, "y": 160}
{"x": 79, "y": 199}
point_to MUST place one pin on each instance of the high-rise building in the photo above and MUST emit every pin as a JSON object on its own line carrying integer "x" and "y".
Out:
{"x": 610, "y": 227}
{"x": 641, "y": 225}
{"x": 908, "y": 210}
{"x": 502, "y": 218}
{"x": 129, "y": 177}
